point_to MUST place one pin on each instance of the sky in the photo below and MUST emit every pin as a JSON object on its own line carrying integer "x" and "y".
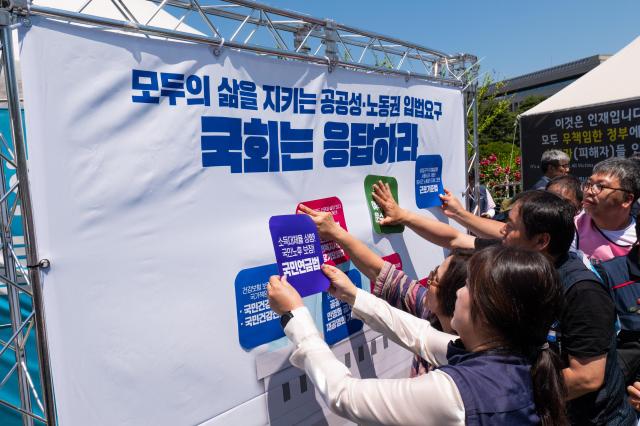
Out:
{"x": 511, "y": 37}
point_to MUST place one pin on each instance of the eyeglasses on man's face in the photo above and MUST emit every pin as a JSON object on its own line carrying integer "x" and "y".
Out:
{"x": 596, "y": 188}
{"x": 563, "y": 166}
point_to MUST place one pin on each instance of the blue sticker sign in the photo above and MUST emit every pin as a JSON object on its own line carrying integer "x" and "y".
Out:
{"x": 257, "y": 323}
{"x": 298, "y": 252}
{"x": 337, "y": 323}
{"x": 428, "y": 181}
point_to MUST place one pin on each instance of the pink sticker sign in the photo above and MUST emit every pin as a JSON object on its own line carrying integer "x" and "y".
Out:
{"x": 332, "y": 252}
{"x": 395, "y": 260}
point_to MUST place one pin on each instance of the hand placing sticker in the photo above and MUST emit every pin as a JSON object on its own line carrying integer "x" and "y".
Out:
{"x": 451, "y": 206}
{"x": 340, "y": 285}
{"x": 393, "y": 213}
{"x": 282, "y": 296}
{"x": 381, "y": 193}
{"x": 327, "y": 227}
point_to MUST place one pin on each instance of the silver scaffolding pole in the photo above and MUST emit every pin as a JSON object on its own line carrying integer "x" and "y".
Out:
{"x": 336, "y": 46}
{"x": 472, "y": 149}
{"x": 33, "y": 263}
{"x": 336, "y": 43}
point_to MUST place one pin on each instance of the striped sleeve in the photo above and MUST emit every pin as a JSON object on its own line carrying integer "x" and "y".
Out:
{"x": 399, "y": 291}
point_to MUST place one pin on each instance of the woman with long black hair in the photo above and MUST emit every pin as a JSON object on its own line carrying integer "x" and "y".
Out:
{"x": 499, "y": 372}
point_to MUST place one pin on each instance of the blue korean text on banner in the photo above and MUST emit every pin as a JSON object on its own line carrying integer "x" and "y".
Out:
{"x": 337, "y": 323}
{"x": 298, "y": 252}
{"x": 428, "y": 181}
{"x": 257, "y": 323}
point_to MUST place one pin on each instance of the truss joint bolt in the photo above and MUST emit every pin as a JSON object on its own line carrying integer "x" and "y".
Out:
{"x": 217, "y": 50}
{"x": 43, "y": 264}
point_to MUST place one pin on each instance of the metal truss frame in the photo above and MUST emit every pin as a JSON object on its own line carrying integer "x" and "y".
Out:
{"x": 18, "y": 279}
{"x": 221, "y": 24}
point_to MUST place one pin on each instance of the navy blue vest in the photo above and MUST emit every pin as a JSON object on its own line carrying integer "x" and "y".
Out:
{"x": 483, "y": 200}
{"x": 495, "y": 387}
{"x": 608, "y": 405}
{"x": 624, "y": 287}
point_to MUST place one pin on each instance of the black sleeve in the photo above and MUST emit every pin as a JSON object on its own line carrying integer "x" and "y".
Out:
{"x": 481, "y": 243}
{"x": 587, "y": 322}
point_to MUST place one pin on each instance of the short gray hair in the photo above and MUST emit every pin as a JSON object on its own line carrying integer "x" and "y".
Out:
{"x": 552, "y": 157}
{"x": 627, "y": 171}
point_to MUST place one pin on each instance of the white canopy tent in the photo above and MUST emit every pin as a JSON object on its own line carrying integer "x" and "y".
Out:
{"x": 615, "y": 80}
{"x": 594, "y": 118}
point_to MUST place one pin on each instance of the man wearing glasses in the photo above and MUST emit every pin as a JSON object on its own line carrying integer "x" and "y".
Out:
{"x": 553, "y": 163}
{"x": 605, "y": 227}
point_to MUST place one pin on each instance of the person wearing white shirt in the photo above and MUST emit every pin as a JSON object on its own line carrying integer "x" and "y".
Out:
{"x": 499, "y": 372}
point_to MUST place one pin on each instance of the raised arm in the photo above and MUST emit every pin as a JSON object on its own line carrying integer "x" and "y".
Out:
{"x": 432, "y": 399}
{"x": 431, "y": 230}
{"x": 481, "y": 226}
{"x": 412, "y": 333}
{"x": 400, "y": 291}
{"x": 365, "y": 260}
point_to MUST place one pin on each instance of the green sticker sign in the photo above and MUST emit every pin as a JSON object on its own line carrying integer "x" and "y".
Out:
{"x": 374, "y": 210}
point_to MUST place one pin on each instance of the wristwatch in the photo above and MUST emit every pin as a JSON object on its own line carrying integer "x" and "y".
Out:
{"x": 284, "y": 319}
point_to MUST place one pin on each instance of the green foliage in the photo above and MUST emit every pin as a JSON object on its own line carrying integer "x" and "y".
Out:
{"x": 528, "y": 103}
{"x": 499, "y": 144}
{"x": 495, "y": 119}
{"x": 385, "y": 62}
{"x": 503, "y": 151}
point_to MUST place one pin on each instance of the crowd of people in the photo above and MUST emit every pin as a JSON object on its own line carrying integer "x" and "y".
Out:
{"x": 532, "y": 321}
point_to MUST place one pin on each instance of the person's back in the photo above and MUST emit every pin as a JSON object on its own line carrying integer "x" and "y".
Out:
{"x": 622, "y": 276}
{"x": 500, "y": 384}
{"x": 495, "y": 386}
{"x": 586, "y": 330}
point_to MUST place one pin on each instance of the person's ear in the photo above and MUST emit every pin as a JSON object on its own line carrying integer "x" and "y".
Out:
{"x": 628, "y": 201}
{"x": 542, "y": 241}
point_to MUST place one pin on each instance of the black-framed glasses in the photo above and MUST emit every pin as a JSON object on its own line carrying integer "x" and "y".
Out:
{"x": 564, "y": 165}
{"x": 596, "y": 188}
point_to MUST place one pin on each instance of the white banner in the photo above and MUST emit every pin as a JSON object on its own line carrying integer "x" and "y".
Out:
{"x": 155, "y": 167}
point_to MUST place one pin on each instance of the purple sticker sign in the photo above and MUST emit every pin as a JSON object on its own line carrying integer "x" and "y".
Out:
{"x": 298, "y": 252}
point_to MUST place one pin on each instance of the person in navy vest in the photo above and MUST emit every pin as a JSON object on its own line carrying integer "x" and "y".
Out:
{"x": 622, "y": 275}
{"x": 487, "y": 207}
{"x": 499, "y": 372}
{"x": 585, "y": 334}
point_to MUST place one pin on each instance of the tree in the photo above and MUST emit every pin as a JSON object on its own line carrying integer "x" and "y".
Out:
{"x": 495, "y": 118}
{"x": 498, "y": 143}
{"x": 529, "y": 102}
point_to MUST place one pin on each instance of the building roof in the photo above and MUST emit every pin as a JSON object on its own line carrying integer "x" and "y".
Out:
{"x": 564, "y": 72}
